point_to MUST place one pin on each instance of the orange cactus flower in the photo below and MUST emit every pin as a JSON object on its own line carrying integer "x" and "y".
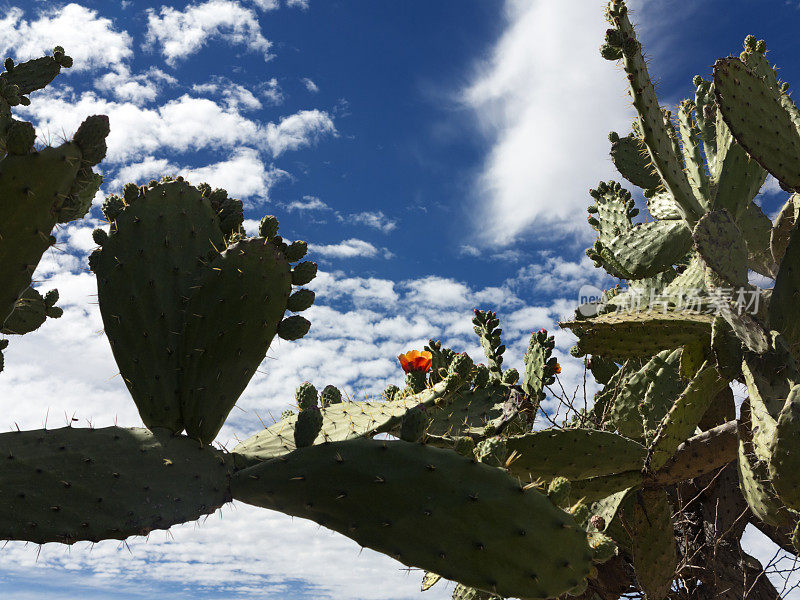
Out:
{"x": 416, "y": 361}
{"x": 558, "y": 368}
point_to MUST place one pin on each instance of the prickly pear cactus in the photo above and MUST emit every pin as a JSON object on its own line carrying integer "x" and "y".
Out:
{"x": 450, "y": 471}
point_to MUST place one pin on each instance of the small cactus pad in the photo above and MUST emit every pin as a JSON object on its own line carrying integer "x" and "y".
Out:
{"x": 719, "y": 242}
{"x": 784, "y": 460}
{"x": 654, "y": 554}
{"x": 629, "y": 155}
{"x": 307, "y": 426}
{"x": 231, "y": 318}
{"x": 650, "y": 248}
{"x": 67, "y": 485}
{"x": 31, "y": 187}
{"x": 482, "y": 530}
{"x": 341, "y": 421}
{"x": 35, "y": 74}
{"x": 31, "y": 311}
{"x": 573, "y": 453}
{"x": 683, "y": 417}
{"x": 783, "y": 304}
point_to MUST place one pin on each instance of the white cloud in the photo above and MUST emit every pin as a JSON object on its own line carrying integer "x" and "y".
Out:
{"x": 271, "y": 91}
{"x": 244, "y": 175}
{"x": 181, "y": 125}
{"x": 307, "y": 203}
{"x": 297, "y": 4}
{"x": 303, "y": 128}
{"x": 310, "y": 85}
{"x": 375, "y": 219}
{"x": 137, "y": 89}
{"x": 91, "y": 40}
{"x": 180, "y": 33}
{"x": 546, "y": 100}
{"x": 352, "y": 248}
{"x": 266, "y": 4}
{"x": 234, "y": 96}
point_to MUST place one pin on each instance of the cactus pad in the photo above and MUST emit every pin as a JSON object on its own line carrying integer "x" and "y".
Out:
{"x": 231, "y": 318}
{"x": 573, "y": 453}
{"x": 66, "y": 485}
{"x": 482, "y": 530}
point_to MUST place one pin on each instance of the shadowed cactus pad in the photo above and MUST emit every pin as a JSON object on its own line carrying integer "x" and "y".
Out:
{"x": 146, "y": 268}
{"x": 67, "y": 485}
{"x": 232, "y": 316}
{"x": 188, "y": 319}
{"x": 429, "y": 508}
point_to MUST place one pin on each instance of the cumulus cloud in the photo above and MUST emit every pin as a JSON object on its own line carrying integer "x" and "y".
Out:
{"x": 303, "y": 128}
{"x": 352, "y": 248}
{"x": 233, "y": 95}
{"x": 538, "y": 99}
{"x": 181, "y": 125}
{"x": 138, "y": 89}
{"x": 91, "y": 40}
{"x": 244, "y": 175}
{"x": 178, "y": 34}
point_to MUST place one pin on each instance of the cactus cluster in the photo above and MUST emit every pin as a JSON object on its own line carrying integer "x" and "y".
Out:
{"x": 646, "y": 490}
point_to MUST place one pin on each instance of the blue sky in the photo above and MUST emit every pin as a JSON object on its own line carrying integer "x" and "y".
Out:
{"x": 436, "y": 155}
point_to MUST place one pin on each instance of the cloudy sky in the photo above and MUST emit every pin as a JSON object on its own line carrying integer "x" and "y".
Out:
{"x": 435, "y": 154}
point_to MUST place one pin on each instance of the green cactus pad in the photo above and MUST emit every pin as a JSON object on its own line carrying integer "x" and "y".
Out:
{"x": 482, "y": 530}
{"x": 756, "y": 228}
{"x": 597, "y": 488}
{"x": 330, "y": 395}
{"x": 30, "y": 313}
{"x": 20, "y": 136}
{"x": 690, "y": 149}
{"x": 784, "y": 226}
{"x": 573, "y": 453}
{"x": 755, "y": 484}
{"x": 31, "y": 187}
{"x": 663, "y": 207}
{"x": 658, "y": 135}
{"x": 307, "y": 427}
{"x": 633, "y": 335}
{"x": 739, "y": 178}
{"x": 467, "y": 411}
{"x": 682, "y": 419}
{"x": 784, "y": 460}
{"x": 67, "y": 485}
{"x": 339, "y": 422}
{"x": 753, "y": 111}
{"x": 650, "y": 248}
{"x": 81, "y": 195}
{"x": 785, "y": 294}
{"x": 232, "y": 316}
{"x": 666, "y": 383}
{"x": 540, "y": 365}
{"x": 654, "y": 554}
{"x": 33, "y": 75}
{"x": 727, "y": 349}
{"x": 632, "y": 161}
{"x": 719, "y": 242}
{"x": 146, "y": 270}
{"x": 492, "y": 451}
